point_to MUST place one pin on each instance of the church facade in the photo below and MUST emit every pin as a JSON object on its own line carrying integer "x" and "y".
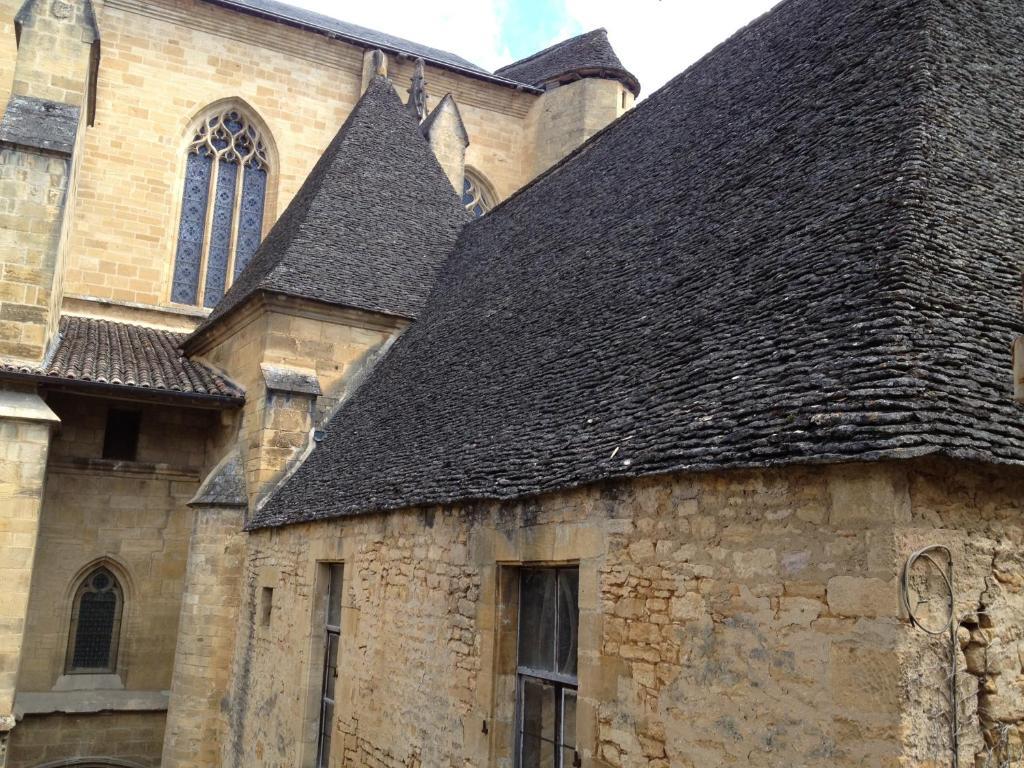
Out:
{"x": 361, "y": 407}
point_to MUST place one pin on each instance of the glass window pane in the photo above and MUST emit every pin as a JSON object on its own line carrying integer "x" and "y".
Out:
{"x": 220, "y": 233}
{"x": 93, "y": 636}
{"x": 331, "y": 665}
{"x": 537, "y": 619}
{"x": 250, "y": 216}
{"x": 568, "y": 718}
{"x": 568, "y": 619}
{"x": 334, "y": 596}
{"x": 191, "y": 229}
{"x": 538, "y": 710}
{"x": 326, "y": 724}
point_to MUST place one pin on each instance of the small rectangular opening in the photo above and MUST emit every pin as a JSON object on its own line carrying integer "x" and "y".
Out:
{"x": 266, "y": 604}
{"x": 121, "y": 436}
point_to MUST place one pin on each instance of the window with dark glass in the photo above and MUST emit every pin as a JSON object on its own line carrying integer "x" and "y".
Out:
{"x": 474, "y": 195}
{"x": 222, "y": 204}
{"x": 332, "y": 639}
{"x": 546, "y": 681}
{"x": 95, "y": 624}
{"x": 121, "y": 434}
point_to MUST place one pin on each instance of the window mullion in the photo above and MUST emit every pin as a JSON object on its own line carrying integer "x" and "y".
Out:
{"x": 236, "y": 215}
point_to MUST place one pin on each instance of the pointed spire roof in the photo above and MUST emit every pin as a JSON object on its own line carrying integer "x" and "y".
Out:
{"x": 586, "y": 55}
{"x": 371, "y": 225}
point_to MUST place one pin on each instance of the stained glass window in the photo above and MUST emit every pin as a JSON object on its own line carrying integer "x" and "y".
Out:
{"x": 475, "y": 196}
{"x": 95, "y": 624}
{"x": 226, "y": 175}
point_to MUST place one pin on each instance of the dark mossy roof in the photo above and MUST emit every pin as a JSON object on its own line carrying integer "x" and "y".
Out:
{"x": 371, "y": 225}
{"x": 589, "y": 54}
{"x": 806, "y": 248}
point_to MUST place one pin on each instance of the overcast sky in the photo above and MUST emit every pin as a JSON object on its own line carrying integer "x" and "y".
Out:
{"x": 656, "y": 39}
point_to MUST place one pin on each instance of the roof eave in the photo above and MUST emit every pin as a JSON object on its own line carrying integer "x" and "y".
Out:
{"x": 371, "y": 44}
{"x": 127, "y": 391}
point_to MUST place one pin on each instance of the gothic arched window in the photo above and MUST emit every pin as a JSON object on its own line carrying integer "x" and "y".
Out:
{"x": 226, "y": 173}
{"x": 476, "y": 195}
{"x": 95, "y": 624}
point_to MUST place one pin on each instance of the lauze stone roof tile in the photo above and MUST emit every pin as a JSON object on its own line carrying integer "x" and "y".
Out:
{"x": 806, "y": 248}
{"x": 589, "y": 53}
{"x": 371, "y": 225}
{"x": 130, "y": 356}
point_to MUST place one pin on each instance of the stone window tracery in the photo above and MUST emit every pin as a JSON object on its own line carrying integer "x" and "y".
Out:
{"x": 95, "y": 624}
{"x": 475, "y": 195}
{"x": 222, "y": 206}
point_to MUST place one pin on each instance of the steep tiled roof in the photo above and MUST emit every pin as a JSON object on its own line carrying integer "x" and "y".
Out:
{"x": 370, "y": 226}
{"x": 586, "y": 54}
{"x": 129, "y": 356}
{"x": 806, "y": 248}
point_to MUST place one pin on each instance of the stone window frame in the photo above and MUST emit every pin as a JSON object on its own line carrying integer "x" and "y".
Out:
{"x": 560, "y": 681}
{"x": 503, "y": 726}
{"x": 322, "y": 564}
{"x": 113, "y": 675}
{"x": 477, "y": 191}
{"x": 187, "y": 134}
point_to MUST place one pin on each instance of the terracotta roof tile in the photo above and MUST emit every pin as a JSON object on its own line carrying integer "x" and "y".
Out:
{"x": 120, "y": 354}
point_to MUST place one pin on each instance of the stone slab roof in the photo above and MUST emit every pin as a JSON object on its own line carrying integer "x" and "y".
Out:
{"x": 371, "y": 225}
{"x": 127, "y": 356}
{"x": 806, "y": 248}
{"x": 587, "y": 54}
{"x": 39, "y": 123}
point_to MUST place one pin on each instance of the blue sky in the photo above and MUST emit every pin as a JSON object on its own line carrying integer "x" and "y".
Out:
{"x": 656, "y": 39}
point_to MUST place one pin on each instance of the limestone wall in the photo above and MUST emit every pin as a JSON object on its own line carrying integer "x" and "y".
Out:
{"x": 134, "y": 737}
{"x": 337, "y": 345}
{"x": 566, "y": 116}
{"x": 732, "y": 618}
{"x": 164, "y": 62}
{"x": 132, "y": 516}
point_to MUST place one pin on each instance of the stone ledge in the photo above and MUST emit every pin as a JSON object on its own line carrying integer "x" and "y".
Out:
{"x": 77, "y": 702}
{"x": 25, "y": 406}
{"x": 117, "y": 467}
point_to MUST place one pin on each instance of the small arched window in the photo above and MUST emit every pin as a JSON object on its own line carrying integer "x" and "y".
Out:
{"x": 476, "y": 195}
{"x": 95, "y": 624}
{"x": 226, "y": 171}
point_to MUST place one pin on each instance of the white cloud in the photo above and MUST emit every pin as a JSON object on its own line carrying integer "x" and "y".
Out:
{"x": 658, "y": 39}
{"x": 471, "y": 29}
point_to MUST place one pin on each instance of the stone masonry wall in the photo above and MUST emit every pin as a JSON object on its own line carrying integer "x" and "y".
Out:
{"x": 33, "y": 195}
{"x": 566, "y": 116}
{"x": 133, "y": 517}
{"x": 726, "y": 619}
{"x": 164, "y": 62}
{"x": 25, "y": 424}
{"x": 134, "y": 736}
{"x": 206, "y": 637}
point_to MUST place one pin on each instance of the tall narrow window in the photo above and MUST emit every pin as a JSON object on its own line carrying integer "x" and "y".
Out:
{"x": 332, "y": 638}
{"x": 546, "y": 668}
{"x": 475, "y": 195}
{"x": 95, "y": 624}
{"x": 221, "y": 224}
